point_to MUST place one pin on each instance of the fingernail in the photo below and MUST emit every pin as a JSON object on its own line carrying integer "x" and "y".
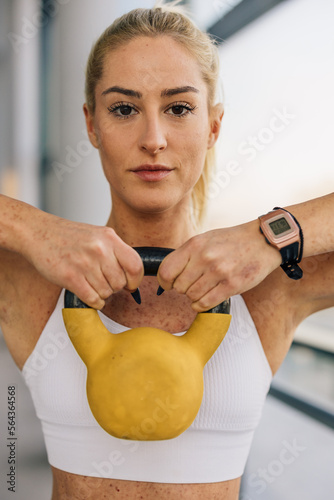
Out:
{"x": 136, "y": 296}
{"x": 160, "y": 290}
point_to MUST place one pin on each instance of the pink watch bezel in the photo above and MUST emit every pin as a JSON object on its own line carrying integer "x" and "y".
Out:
{"x": 288, "y": 237}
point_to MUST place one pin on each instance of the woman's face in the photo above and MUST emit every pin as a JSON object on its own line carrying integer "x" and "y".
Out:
{"x": 152, "y": 124}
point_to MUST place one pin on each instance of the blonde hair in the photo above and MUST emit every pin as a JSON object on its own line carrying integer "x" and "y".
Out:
{"x": 163, "y": 19}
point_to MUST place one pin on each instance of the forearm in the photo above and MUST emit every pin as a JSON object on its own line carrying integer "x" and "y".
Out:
{"x": 221, "y": 263}
{"x": 18, "y": 223}
{"x": 91, "y": 261}
{"x": 316, "y": 219}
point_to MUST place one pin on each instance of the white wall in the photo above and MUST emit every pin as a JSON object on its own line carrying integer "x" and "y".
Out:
{"x": 282, "y": 61}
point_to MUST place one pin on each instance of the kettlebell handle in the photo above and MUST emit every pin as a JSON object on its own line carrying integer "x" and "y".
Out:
{"x": 152, "y": 258}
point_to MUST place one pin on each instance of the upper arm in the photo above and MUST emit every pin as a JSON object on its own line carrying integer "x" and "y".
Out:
{"x": 279, "y": 304}
{"x": 315, "y": 291}
{"x": 279, "y": 300}
{"x": 9, "y": 263}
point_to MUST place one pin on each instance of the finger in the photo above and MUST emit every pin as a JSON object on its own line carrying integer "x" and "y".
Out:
{"x": 203, "y": 285}
{"x": 131, "y": 264}
{"x": 113, "y": 275}
{"x": 188, "y": 278}
{"x": 88, "y": 294}
{"x": 211, "y": 299}
{"x": 99, "y": 282}
{"x": 171, "y": 267}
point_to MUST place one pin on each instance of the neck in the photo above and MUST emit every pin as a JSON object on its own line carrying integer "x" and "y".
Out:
{"x": 168, "y": 229}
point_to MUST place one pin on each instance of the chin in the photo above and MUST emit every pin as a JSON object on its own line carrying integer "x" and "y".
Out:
{"x": 156, "y": 207}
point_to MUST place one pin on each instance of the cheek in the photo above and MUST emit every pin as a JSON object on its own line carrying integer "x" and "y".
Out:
{"x": 197, "y": 135}
{"x": 194, "y": 146}
{"x": 113, "y": 144}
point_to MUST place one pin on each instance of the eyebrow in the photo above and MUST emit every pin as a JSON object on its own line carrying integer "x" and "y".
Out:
{"x": 138, "y": 95}
{"x": 178, "y": 90}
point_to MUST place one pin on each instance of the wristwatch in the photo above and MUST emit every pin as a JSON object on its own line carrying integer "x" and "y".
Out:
{"x": 282, "y": 231}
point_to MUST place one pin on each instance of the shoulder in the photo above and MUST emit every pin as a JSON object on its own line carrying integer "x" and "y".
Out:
{"x": 279, "y": 304}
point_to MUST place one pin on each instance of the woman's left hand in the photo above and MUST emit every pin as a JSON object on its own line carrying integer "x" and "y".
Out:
{"x": 213, "y": 266}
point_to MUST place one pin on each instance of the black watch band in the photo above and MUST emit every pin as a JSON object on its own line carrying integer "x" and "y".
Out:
{"x": 292, "y": 254}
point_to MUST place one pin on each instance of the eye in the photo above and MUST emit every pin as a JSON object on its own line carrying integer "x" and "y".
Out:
{"x": 180, "y": 109}
{"x": 122, "y": 110}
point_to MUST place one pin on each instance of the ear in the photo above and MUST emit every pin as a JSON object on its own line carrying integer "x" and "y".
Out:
{"x": 90, "y": 127}
{"x": 216, "y": 116}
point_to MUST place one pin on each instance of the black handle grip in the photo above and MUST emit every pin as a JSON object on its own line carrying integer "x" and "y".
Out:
{"x": 152, "y": 258}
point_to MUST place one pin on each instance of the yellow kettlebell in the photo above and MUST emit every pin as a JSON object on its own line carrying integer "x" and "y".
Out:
{"x": 145, "y": 383}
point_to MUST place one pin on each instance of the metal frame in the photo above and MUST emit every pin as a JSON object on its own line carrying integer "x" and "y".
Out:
{"x": 239, "y": 16}
{"x": 314, "y": 411}
{"x": 320, "y": 415}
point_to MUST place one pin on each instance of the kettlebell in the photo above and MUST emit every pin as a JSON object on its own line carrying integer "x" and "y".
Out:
{"x": 144, "y": 383}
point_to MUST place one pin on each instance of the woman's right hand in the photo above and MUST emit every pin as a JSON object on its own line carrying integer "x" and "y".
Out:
{"x": 91, "y": 261}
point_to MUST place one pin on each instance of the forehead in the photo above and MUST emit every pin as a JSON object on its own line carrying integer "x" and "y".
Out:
{"x": 151, "y": 64}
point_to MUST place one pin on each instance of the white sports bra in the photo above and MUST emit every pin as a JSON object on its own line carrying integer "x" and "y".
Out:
{"x": 214, "y": 448}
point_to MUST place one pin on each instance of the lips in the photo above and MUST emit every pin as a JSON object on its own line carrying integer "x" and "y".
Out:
{"x": 152, "y": 173}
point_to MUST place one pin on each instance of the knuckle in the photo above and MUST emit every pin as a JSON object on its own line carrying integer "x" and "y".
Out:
{"x": 98, "y": 248}
{"x": 204, "y": 303}
{"x": 94, "y": 301}
{"x": 179, "y": 287}
{"x": 195, "y": 242}
{"x": 80, "y": 261}
{"x": 218, "y": 268}
{"x": 105, "y": 292}
{"x": 135, "y": 267}
{"x": 119, "y": 284}
{"x": 225, "y": 283}
{"x": 109, "y": 231}
{"x": 209, "y": 257}
{"x": 225, "y": 290}
{"x": 166, "y": 274}
{"x": 192, "y": 294}
{"x": 110, "y": 236}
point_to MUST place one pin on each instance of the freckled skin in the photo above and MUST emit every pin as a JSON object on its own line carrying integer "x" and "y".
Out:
{"x": 73, "y": 487}
{"x": 121, "y": 308}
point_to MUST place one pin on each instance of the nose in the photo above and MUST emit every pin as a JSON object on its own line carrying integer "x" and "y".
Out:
{"x": 153, "y": 139}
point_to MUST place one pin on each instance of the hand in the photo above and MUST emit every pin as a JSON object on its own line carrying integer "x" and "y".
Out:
{"x": 218, "y": 264}
{"x": 91, "y": 261}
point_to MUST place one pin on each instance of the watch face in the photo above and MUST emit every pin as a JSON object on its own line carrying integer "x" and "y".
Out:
{"x": 279, "y": 226}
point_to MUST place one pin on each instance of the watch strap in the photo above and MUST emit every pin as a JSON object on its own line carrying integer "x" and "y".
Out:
{"x": 301, "y": 245}
{"x": 292, "y": 270}
{"x": 292, "y": 254}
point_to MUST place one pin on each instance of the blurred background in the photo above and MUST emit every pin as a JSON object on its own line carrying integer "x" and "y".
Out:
{"x": 277, "y": 70}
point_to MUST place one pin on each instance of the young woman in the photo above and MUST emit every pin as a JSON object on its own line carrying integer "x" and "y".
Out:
{"x": 151, "y": 112}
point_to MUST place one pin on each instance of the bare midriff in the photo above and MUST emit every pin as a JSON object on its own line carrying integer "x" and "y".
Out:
{"x": 68, "y": 486}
